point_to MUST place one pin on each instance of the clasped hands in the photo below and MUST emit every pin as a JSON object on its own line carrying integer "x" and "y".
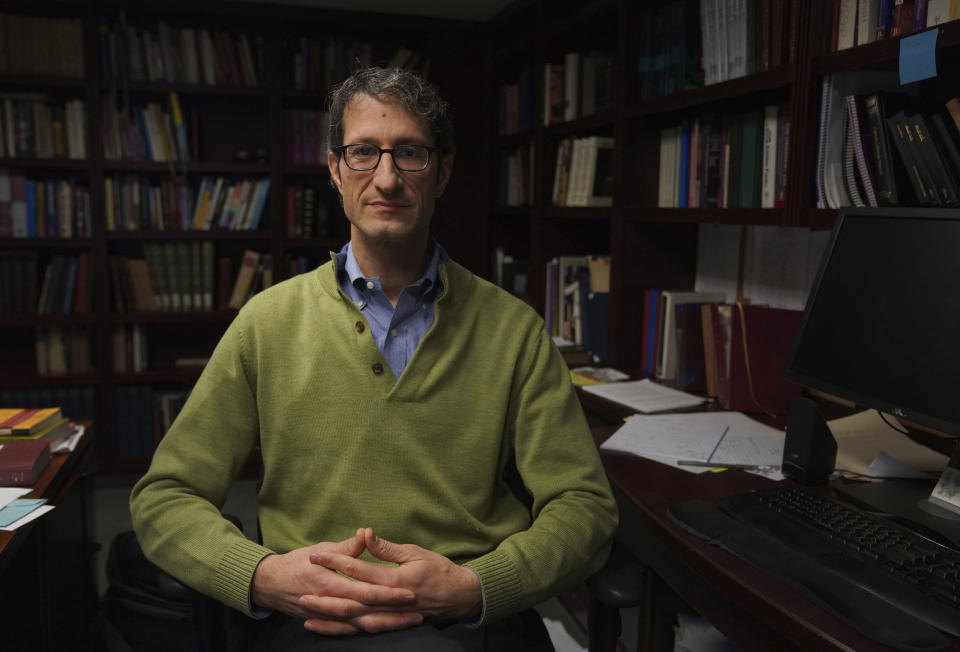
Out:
{"x": 337, "y": 594}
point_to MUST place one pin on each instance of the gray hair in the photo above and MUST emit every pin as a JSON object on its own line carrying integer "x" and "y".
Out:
{"x": 413, "y": 92}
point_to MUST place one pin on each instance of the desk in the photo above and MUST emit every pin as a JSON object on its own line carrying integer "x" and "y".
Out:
{"x": 49, "y": 597}
{"x": 753, "y": 609}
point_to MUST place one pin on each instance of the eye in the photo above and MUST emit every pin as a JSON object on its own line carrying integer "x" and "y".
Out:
{"x": 364, "y": 150}
{"x": 407, "y": 151}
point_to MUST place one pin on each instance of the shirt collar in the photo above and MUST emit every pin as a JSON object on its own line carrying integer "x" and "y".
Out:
{"x": 347, "y": 264}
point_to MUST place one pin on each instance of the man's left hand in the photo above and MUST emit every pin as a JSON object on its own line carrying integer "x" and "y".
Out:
{"x": 443, "y": 589}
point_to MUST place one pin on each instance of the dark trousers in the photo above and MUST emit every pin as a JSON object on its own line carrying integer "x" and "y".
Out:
{"x": 523, "y": 632}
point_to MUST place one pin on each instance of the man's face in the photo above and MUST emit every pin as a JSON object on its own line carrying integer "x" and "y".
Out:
{"x": 385, "y": 203}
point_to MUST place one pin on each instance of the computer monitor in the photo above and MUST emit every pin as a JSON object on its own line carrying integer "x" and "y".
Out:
{"x": 881, "y": 327}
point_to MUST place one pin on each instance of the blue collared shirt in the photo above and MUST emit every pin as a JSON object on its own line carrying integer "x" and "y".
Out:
{"x": 397, "y": 331}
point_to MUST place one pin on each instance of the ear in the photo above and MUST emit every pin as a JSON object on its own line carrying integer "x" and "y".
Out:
{"x": 443, "y": 173}
{"x": 333, "y": 164}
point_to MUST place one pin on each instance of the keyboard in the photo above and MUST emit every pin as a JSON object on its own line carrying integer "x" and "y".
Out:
{"x": 911, "y": 572}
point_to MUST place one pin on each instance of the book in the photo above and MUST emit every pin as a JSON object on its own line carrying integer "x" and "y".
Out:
{"x": 898, "y": 133}
{"x": 51, "y": 433}
{"x": 22, "y": 462}
{"x": 667, "y": 361}
{"x": 248, "y": 268}
{"x": 944, "y": 183}
{"x": 760, "y": 339}
{"x": 27, "y": 421}
{"x": 886, "y": 178}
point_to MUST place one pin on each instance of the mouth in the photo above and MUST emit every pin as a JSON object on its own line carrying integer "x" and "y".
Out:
{"x": 383, "y": 205}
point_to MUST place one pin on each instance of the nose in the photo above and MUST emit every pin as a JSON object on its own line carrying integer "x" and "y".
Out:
{"x": 387, "y": 177}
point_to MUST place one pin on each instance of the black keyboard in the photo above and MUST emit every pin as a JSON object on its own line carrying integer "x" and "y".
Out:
{"x": 911, "y": 572}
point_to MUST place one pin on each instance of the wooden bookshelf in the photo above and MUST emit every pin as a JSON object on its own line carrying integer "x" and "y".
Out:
{"x": 232, "y": 114}
{"x": 653, "y": 247}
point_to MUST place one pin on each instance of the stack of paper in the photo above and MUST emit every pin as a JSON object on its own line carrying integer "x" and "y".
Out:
{"x": 713, "y": 439}
{"x": 645, "y": 396}
{"x": 16, "y": 511}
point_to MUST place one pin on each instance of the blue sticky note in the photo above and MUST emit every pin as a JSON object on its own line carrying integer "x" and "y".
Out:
{"x": 918, "y": 56}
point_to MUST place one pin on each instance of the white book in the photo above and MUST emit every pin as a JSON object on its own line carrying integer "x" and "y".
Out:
{"x": 847, "y": 24}
{"x": 768, "y": 174}
{"x": 188, "y": 45}
{"x": 207, "y": 58}
{"x": 867, "y": 13}
{"x": 667, "y": 363}
{"x": 669, "y": 140}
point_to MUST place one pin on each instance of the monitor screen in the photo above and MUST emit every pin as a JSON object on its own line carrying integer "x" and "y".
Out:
{"x": 881, "y": 326}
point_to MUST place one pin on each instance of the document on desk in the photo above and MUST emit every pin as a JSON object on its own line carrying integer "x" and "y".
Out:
{"x": 645, "y": 396}
{"x": 714, "y": 438}
{"x": 9, "y": 494}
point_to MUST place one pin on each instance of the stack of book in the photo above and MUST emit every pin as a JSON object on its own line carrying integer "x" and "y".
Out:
{"x": 583, "y": 175}
{"x": 26, "y": 435}
{"x": 41, "y": 45}
{"x": 577, "y": 300}
{"x": 726, "y": 161}
{"x": 180, "y": 55}
{"x": 882, "y": 148}
{"x": 42, "y": 208}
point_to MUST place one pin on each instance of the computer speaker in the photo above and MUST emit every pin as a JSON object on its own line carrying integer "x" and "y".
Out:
{"x": 809, "y": 449}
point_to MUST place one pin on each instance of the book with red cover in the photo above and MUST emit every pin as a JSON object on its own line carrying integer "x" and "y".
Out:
{"x": 22, "y": 462}
{"x": 768, "y": 334}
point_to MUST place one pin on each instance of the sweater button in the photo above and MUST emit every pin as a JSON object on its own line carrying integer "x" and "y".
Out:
{"x": 377, "y": 368}
{"x": 359, "y": 326}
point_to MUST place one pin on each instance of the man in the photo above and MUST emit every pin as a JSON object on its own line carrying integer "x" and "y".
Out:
{"x": 413, "y": 418}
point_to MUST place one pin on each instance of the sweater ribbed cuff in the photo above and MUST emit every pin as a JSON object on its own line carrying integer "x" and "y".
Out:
{"x": 235, "y": 574}
{"x": 501, "y": 585}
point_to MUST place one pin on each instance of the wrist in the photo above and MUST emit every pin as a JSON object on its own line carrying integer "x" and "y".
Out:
{"x": 260, "y": 583}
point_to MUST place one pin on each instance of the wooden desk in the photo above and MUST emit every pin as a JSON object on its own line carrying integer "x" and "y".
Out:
{"x": 49, "y": 599}
{"x": 753, "y": 609}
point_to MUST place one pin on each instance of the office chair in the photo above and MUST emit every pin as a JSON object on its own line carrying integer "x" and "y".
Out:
{"x": 618, "y": 585}
{"x": 146, "y": 610}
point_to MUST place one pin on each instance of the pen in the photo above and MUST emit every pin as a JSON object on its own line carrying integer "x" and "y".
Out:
{"x": 720, "y": 465}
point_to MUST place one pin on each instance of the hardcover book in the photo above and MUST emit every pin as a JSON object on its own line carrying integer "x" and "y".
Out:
{"x": 22, "y": 462}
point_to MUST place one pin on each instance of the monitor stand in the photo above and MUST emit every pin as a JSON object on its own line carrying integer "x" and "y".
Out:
{"x": 906, "y": 502}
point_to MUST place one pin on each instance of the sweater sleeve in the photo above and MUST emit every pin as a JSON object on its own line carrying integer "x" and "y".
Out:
{"x": 176, "y": 505}
{"x": 574, "y": 512}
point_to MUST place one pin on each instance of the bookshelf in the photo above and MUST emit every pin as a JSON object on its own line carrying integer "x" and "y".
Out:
{"x": 176, "y": 102}
{"x": 653, "y": 245}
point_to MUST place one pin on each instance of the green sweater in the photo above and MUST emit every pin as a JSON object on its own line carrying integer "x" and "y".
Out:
{"x": 420, "y": 459}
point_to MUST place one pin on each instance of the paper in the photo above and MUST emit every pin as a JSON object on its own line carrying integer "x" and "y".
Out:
{"x": 18, "y": 508}
{"x": 718, "y": 259}
{"x": 775, "y": 267}
{"x": 37, "y": 513}
{"x": 884, "y": 466}
{"x": 862, "y": 436}
{"x": 645, "y": 396}
{"x": 68, "y": 443}
{"x": 717, "y": 437}
{"x": 918, "y": 56}
{"x": 8, "y": 494}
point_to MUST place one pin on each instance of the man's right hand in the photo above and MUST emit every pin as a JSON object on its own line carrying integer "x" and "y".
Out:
{"x": 347, "y": 606}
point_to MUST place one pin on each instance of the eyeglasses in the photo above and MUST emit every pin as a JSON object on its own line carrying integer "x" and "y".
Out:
{"x": 407, "y": 158}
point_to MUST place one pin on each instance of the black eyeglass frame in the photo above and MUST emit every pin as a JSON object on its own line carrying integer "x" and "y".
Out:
{"x": 340, "y": 150}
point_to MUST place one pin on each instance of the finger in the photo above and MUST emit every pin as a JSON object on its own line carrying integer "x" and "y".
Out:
{"x": 339, "y": 608}
{"x": 371, "y": 623}
{"x": 330, "y": 627}
{"x": 356, "y": 569}
{"x": 387, "y": 550}
{"x": 363, "y": 591}
{"x": 352, "y": 546}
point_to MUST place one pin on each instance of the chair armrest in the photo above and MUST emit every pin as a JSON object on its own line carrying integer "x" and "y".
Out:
{"x": 620, "y": 582}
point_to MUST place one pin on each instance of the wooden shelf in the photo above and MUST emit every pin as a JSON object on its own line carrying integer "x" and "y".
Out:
{"x": 228, "y": 118}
